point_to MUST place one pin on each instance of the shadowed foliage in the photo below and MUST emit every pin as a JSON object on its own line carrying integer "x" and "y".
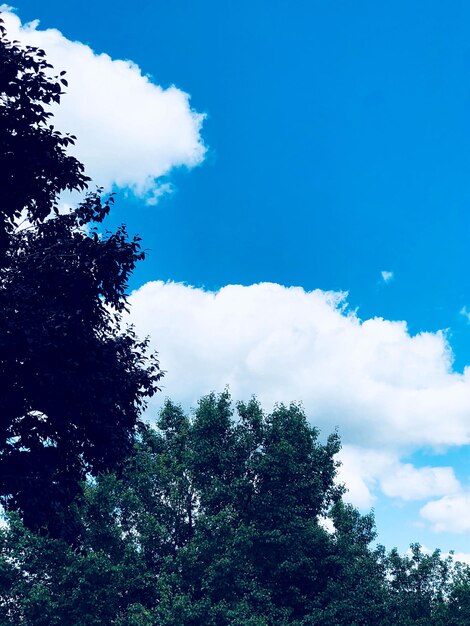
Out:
{"x": 73, "y": 381}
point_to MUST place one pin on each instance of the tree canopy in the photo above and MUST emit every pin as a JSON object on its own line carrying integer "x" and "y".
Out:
{"x": 218, "y": 519}
{"x": 34, "y": 164}
{"x": 73, "y": 381}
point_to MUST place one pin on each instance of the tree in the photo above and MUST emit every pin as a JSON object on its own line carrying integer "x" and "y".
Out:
{"x": 74, "y": 382}
{"x": 217, "y": 519}
{"x": 356, "y": 591}
{"x": 420, "y": 587}
{"x": 34, "y": 165}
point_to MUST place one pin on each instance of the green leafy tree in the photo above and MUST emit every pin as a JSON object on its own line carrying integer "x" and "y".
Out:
{"x": 356, "y": 590}
{"x": 427, "y": 589}
{"x": 458, "y": 596}
{"x": 218, "y": 520}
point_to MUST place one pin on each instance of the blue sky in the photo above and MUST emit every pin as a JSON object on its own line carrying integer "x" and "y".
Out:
{"x": 337, "y": 147}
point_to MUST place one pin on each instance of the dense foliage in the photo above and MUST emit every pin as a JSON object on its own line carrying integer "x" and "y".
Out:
{"x": 73, "y": 382}
{"x": 220, "y": 521}
{"x": 34, "y": 165}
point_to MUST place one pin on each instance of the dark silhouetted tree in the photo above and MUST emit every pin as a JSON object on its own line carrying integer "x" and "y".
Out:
{"x": 34, "y": 165}
{"x": 73, "y": 381}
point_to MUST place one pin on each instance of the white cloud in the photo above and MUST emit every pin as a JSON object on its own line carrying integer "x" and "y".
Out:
{"x": 372, "y": 379}
{"x": 387, "y": 276}
{"x": 387, "y": 391}
{"x": 449, "y": 514}
{"x": 407, "y": 482}
{"x": 130, "y": 130}
{"x": 466, "y": 313}
{"x": 364, "y": 471}
{"x": 359, "y": 472}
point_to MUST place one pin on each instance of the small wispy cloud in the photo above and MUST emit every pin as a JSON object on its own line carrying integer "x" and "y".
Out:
{"x": 387, "y": 276}
{"x": 465, "y": 312}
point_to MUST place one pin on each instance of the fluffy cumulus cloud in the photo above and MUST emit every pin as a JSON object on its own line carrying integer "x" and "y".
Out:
{"x": 130, "y": 131}
{"x": 371, "y": 378}
{"x": 404, "y": 481}
{"x": 387, "y": 276}
{"x": 363, "y": 470}
{"x": 449, "y": 514}
{"x": 387, "y": 391}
